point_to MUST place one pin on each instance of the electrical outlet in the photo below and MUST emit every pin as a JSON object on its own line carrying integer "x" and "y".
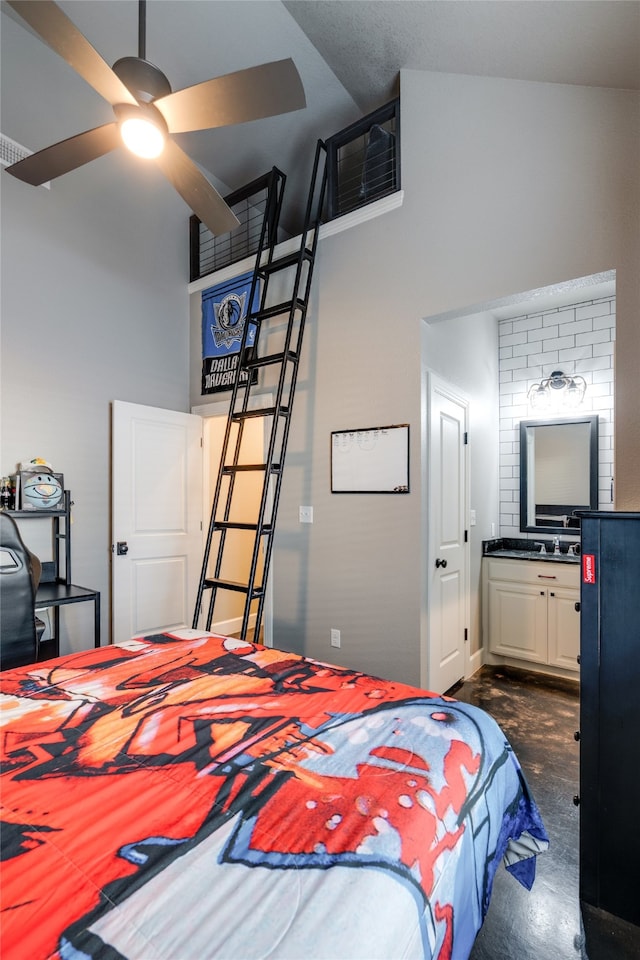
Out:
{"x": 335, "y": 638}
{"x": 306, "y": 514}
{"x": 44, "y": 613}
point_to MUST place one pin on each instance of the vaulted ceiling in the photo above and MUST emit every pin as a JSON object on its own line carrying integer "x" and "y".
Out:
{"x": 348, "y": 52}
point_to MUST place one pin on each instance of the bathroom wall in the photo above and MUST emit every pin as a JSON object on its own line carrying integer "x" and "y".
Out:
{"x": 577, "y": 339}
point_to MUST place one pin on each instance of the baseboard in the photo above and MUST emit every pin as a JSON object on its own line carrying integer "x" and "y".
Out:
{"x": 227, "y": 628}
{"x": 475, "y": 662}
{"x": 494, "y": 660}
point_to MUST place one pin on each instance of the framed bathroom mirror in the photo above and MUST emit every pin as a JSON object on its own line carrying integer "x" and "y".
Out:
{"x": 558, "y": 473}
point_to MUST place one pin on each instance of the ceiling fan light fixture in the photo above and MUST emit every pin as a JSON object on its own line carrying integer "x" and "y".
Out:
{"x": 138, "y": 90}
{"x": 142, "y": 137}
{"x": 142, "y": 128}
{"x": 145, "y": 81}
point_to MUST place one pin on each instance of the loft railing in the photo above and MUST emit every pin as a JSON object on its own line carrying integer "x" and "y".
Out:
{"x": 363, "y": 165}
{"x": 210, "y": 252}
{"x": 364, "y": 161}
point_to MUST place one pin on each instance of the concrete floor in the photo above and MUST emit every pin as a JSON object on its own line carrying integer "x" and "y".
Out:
{"x": 539, "y": 716}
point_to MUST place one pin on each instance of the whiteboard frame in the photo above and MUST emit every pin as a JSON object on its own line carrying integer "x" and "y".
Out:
{"x": 369, "y": 469}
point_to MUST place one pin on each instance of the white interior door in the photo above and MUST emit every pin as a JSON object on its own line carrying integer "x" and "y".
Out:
{"x": 448, "y": 549}
{"x": 157, "y": 518}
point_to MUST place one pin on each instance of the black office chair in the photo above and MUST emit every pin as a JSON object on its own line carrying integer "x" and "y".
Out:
{"x": 20, "y": 629}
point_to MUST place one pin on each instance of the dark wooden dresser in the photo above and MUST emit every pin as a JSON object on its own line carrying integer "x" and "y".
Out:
{"x": 610, "y": 714}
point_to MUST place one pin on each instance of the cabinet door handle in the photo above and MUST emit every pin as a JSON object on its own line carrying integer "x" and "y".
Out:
{"x": 576, "y": 606}
{"x": 576, "y": 735}
{"x": 441, "y": 563}
{"x": 546, "y": 576}
{"x": 551, "y": 593}
{"x": 576, "y": 800}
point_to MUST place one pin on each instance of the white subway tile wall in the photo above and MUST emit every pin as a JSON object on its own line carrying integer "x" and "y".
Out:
{"x": 577, "y": 340}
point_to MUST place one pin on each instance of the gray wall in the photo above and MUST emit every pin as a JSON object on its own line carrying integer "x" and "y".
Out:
{"x": 94, "y": 307}
{"x": 509, "y": 187}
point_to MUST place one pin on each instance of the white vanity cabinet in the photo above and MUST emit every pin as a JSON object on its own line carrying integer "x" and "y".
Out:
{"x": 530, "y": 611}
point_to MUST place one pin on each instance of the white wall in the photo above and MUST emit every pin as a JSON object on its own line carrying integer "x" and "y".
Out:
{"x": 508, "y": 186}
{"x": 94, "y": 307}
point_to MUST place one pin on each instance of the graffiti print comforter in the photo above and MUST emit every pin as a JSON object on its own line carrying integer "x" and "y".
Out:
{"x": 188, "y": 796}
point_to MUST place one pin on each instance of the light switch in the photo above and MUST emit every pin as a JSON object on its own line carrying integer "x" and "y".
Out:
{"x": 306, "y": 514}
{"x": 472, "y": 518}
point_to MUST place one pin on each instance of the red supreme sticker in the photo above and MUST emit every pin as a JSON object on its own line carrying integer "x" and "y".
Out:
{"x": 588, "y": 568}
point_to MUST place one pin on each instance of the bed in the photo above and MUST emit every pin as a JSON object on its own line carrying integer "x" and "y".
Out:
{"x": 186, "y": 796}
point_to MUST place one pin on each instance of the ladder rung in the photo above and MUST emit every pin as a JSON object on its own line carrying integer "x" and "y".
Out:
{"x": 283, "y": 262}
{"x": 277, "y": 308}
{"x": 232, "y": 585}
{"x": 263, "y": 412}
{"x": 236, "y": 525}
{"x": 270, "y": 359}
{"x": 250, "y": 467}
{"x": 283, "y": 365}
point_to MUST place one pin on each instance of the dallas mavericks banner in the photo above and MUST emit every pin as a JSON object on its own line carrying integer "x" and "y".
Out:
{"x": 224, "y": 313}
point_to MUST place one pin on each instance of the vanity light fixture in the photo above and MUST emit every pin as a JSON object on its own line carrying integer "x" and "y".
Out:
{"x": 560, "y": 388}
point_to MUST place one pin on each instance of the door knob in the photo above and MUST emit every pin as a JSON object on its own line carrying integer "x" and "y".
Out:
{"x": 122, "y": 548}
{"x": 441, "y": 563}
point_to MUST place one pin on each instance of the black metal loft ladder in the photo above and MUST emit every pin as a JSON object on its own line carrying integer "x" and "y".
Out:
{"x": 243, "y": 515}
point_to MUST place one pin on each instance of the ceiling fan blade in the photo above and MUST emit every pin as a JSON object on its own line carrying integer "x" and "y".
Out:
{"x": 55, "y": 28}
{"x": 250, "y": 94}
{"x": 195, "y": 189}
{"x": 67, "y": 155}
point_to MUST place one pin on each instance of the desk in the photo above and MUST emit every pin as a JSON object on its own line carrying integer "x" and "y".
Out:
{"x": 55, "y": 588}
{"x": 56, "y": 594}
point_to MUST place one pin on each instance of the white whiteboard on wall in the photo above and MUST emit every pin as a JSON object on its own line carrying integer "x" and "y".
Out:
{"x": 371, "y": 460}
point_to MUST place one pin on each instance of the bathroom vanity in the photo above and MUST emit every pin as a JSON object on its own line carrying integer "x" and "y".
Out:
{"x": 531, "y": 604}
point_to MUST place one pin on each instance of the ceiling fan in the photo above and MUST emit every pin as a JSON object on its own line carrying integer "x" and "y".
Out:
{"x": 147, "y": 112}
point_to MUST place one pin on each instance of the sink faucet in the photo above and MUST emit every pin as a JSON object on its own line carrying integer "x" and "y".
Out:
{"x": 543, "y": 549}
{"x": 556, "y": 544}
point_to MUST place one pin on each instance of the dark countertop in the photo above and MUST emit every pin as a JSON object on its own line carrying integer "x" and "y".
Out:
{"x": 513, "y": 548}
